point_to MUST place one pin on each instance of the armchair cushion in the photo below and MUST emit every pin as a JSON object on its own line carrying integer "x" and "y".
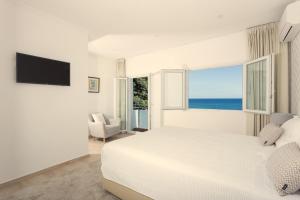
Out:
{"x": 107, "y": 122}
{"x": 112, "y": 130}
{"x": 115, "y": 122}
{"x": 98, "y": 117}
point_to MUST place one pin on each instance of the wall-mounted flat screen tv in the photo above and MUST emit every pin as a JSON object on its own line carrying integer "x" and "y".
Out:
{"x": 37, "y": 70}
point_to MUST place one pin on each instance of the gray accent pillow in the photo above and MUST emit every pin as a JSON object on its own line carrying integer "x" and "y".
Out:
{"x": 107, "y": 122}
{"x": 280, "y": 118}
{"x": 283, "y": 168}
{"x": 270, "y": 134}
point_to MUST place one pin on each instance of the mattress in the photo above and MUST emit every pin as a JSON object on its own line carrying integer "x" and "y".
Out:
{"x": 177, "y": 163}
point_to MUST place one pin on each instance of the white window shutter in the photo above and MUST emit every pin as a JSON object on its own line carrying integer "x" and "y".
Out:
{"x": 258, "y": 85}
{"x": 173, "y": 89}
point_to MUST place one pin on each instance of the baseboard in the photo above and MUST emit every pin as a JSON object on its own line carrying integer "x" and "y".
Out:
{"x": 6, "y": 184}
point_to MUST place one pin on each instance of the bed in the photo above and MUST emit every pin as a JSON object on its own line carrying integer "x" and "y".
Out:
{"x": 177, "y": 163}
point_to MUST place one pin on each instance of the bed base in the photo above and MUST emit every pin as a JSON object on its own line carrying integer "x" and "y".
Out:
{"x": 122, "y": 192}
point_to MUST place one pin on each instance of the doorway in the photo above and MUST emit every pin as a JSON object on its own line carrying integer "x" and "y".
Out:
{"x": 138, "y": 104}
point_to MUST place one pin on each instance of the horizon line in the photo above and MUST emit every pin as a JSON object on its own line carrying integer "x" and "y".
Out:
{"x": 218, "y": 98}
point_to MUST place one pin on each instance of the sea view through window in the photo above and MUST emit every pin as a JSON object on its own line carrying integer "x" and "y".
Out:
{"x": 216, "y": 88}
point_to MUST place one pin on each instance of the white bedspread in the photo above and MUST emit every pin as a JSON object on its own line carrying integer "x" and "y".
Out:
{"x": 186, "y": 164}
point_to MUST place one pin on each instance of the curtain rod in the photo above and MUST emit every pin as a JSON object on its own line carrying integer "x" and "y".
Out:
{"x": 263, "y": 24}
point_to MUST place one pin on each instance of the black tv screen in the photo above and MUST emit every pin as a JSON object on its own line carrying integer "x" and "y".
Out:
{"x": 37, "y": 70}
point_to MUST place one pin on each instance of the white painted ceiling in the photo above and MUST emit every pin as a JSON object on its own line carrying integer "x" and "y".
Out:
{"x": 124, "y": 28}
{"x": 117, "y": 46}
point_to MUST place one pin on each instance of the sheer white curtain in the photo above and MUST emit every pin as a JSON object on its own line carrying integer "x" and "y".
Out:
{"x": 121, "y": 92}
{"x": 263, "y": 40}
{"x": 121, "y": 96}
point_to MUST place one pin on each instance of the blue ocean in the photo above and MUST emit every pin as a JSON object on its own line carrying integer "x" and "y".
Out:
{"x": 220, "y": 104}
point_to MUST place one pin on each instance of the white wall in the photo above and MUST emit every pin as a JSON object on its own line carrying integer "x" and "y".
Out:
{"x": 50, "y": 121}
{"x": 221, "y": 51}
{"x": 7, "y": 83}
{"x": 105, "y": 69}
{"x": 295, "y": 75}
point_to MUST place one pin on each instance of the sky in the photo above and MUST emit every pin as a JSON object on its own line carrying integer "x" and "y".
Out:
{"x": 221, "y": 82}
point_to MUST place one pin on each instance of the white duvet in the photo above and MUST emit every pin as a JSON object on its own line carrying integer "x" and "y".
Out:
{"x": 186, "y": 164}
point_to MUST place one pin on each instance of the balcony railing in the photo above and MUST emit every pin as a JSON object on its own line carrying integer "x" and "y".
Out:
{"x": 139, "y": 119}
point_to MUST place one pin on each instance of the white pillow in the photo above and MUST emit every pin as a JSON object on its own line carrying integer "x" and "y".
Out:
{"x": 98, "y": 117}
{"x": 291, "y": 132}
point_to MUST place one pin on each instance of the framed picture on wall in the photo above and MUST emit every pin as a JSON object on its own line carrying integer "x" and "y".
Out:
{"x": 94, "y": 84}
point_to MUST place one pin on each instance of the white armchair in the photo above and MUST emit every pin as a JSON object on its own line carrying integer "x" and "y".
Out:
{"x": 101, "y": 127}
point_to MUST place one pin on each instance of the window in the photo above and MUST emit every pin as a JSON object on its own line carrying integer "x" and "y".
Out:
{"x": 258, "y": 87}
{"x": 173, "y": 89}
{"x": 216, "y": 88}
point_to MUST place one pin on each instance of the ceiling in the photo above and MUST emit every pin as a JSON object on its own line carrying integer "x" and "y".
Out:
{"x": 121, "y": 28}
{"x": 124, "y": 46}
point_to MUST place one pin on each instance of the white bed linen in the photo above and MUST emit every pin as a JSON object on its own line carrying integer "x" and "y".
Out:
{"x": 185, "y": 164}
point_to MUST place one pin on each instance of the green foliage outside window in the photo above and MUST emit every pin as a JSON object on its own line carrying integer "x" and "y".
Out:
{"x": 140, "y": 93}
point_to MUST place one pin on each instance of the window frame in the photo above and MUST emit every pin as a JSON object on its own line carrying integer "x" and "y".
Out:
{"x": 270, "y": 87}
{"x": 163, "y": 89}
{"x": 207, "y": 68}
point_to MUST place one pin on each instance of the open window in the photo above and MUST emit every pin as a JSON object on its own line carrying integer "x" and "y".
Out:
{"x": 173, "y": 91}
{"x": 219, "y": 88}
{"x": 258, "y": 85}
